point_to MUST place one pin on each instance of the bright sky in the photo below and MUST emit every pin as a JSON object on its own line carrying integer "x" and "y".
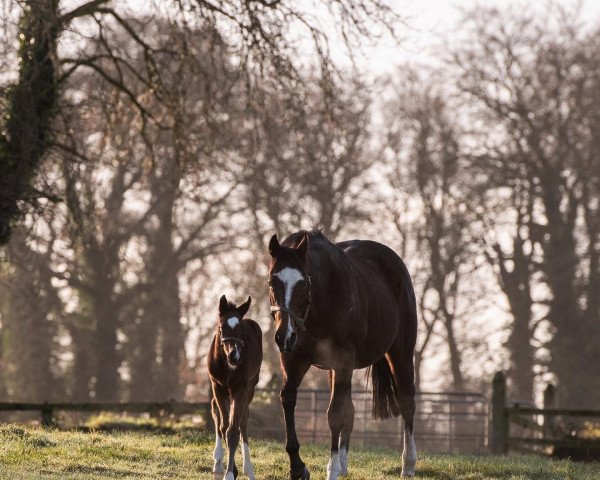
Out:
{"x": 429, "y": 20}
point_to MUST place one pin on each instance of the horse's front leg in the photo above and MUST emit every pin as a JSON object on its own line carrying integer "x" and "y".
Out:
{"x": 340, "y": 416}
{"x": 233, "y": 432}
{"x": 293, "y": 374}
{"x": 220, "y": 412}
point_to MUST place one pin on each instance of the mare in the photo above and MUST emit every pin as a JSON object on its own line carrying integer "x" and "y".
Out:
{"x": 343, "y": 306}
{"x": 234, "y": 363}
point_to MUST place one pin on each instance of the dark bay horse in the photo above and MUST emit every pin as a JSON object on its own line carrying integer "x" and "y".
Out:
{"x": 341, "y": 307}
{"x": 233, "y": 365}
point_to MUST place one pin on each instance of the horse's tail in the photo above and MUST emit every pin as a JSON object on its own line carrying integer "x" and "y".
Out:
{"x": 385, "y": 392}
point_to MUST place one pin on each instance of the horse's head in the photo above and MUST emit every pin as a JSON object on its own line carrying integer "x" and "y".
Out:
{"x": 230, "y": 329}
{"x": 289, "y": 291}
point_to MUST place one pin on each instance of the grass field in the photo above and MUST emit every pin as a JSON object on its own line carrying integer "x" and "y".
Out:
{"x": 33, "y": 453}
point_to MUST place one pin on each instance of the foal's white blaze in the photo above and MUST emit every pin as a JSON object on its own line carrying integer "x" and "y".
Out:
{"x": 247, "y": 466}
{"x": 409, "y": 455}
{"x": 334, "y": 467}
{"x": 232, "y": 322}
{"x": 289, "y": 277}
{"x": 218, "y": 454}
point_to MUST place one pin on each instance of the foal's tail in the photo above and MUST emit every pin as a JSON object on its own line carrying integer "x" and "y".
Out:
{"x": 385, "y": 392}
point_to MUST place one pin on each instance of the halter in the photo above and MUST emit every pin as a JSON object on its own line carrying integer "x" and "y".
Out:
{"x": 232, "y": 340}
{"x": 298, "y": 320}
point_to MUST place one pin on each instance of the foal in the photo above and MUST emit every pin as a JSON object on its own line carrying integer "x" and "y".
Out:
{"x": 233, "y": 365}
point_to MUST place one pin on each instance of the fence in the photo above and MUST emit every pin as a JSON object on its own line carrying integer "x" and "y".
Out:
{"x": 444, "y": 422}
{"x": 48, "y": 410}
{"x": 546, "y": 429}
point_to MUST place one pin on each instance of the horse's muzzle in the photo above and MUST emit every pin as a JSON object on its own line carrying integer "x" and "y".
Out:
{"x": 286, "y": 346}
{"x": 233, "y": 359}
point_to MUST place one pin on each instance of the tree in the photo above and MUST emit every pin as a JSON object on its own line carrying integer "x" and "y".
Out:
{"x": 535, "y": 81}
{"x": 258, "y": 31}
{"x": 423, "y": 147}
{"x": 29, "y": 311}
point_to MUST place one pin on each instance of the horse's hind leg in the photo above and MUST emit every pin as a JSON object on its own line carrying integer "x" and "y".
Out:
{"x": 344, "y": 442}
{"x": 340, "y": 416}
{"x": 400, "y": 360}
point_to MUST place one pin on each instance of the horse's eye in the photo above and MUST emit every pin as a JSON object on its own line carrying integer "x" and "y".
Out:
{"x": 269, "y": 283}
{"x": 302, "y": 283}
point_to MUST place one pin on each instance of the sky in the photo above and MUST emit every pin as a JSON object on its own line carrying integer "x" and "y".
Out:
{"x": 428, "y": 21}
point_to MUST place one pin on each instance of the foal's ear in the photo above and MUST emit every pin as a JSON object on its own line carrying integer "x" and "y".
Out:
{"x": 243, "y": 308}
{"x": 274, "y": 245}
{"x": 223, "y": 304}
{"x": 302, "y": 247}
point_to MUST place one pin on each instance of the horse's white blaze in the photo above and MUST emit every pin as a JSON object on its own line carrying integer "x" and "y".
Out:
{"x": 409, "y": 455}
{"x": 218, "y": 454}
{"x": 343, "y": 454}
{"x": 247, "y": 466}
{"x": 334, "y": 467}
{"x": 289, "y": 277}
{"x": 232, "y": 322}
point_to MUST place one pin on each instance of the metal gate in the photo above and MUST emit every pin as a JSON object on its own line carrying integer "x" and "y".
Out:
{"x": 444, "y": 422}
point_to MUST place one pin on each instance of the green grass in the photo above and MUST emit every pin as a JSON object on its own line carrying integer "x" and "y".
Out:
{"x": 34, "y": 453}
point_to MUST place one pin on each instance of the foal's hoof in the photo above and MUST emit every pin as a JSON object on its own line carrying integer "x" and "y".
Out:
{"x": 304, "y": 474}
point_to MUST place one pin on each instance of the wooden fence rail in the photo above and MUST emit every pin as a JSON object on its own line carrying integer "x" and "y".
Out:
{"x": 47, "y": 410}
{"x": 544, "y": 434}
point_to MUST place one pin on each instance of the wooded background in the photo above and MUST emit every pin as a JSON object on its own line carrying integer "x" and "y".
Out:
{"x": 147, "y": 155}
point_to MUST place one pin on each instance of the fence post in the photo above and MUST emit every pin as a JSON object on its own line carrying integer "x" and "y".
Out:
{"x": 499, "y": 440}
{"x": 549, "y": 402}
{"x": 47, "y": 419}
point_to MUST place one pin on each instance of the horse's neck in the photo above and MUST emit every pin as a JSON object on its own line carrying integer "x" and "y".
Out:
{"x": 328, "y": 273}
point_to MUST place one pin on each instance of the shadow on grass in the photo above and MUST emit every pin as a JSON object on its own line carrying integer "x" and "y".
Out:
{"x": 420, "y": 472}
{"x": 101, "y": 470}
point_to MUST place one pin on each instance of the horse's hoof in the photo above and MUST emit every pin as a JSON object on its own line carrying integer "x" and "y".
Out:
{"x": 303, "y": 475}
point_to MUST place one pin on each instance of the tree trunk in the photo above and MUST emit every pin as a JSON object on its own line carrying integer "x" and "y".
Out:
{"x": 25, "y": 133}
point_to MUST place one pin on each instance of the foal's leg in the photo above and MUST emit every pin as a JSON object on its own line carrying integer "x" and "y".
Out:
{"x": 247, "y": 466}
{"x": 400, "y": 360}
{"x": 233, "y": 432}
{"x": 293, "y": 371}
{"x": 219, "y": 406}
{"x": 340, "y": 416}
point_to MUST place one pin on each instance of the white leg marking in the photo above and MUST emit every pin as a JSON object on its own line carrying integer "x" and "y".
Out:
{"x": 218, "y": 456}
{"x": 247, "y": 466}
{"x": 333, "y": 467}
{"x": 409, "y": 455}
{"x": 343, "y": 461}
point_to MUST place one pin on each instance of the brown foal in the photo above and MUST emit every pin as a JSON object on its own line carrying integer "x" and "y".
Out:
{"x": 233, "y": 365}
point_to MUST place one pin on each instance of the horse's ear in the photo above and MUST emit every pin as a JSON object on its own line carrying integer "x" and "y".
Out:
{"x": 302, "y": 247}
{"x": 274, "y": 245}
{"x": 223, "y": 304}
{"x": 243, "y": 308}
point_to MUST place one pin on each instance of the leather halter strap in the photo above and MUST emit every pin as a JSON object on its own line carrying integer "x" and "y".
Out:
{"x": 300, "y": 321}
{"x": 232, "y": 340}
